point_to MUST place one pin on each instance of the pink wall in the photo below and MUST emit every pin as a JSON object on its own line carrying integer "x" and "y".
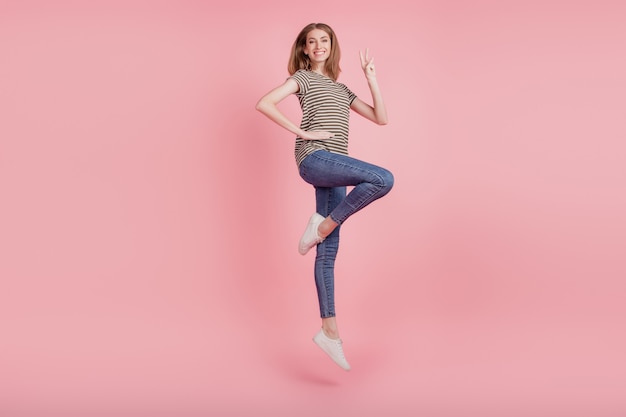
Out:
{"x": 149, "y": 216}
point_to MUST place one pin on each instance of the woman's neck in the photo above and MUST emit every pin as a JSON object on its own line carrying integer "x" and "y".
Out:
{"x": 319, "y": 69}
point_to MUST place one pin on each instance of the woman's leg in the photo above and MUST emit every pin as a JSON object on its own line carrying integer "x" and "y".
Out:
{"x": 326, "y": 169}
{"x": 329, "y": 173}
{"x": 327, "y": 199}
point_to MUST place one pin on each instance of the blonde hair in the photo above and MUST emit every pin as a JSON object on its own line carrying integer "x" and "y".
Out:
{"x": 298, "y": 60}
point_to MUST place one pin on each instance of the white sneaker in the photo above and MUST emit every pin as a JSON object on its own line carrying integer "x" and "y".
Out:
{"x": 310, "y": 237}
{"x": 333, "y": 348}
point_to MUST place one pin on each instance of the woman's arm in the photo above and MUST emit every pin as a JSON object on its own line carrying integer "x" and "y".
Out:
{"x": 378, "y": 112}
{"x": 268, "y": 105}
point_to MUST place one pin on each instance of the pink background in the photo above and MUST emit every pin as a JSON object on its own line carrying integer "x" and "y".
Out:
{"x": 149, "y": 216}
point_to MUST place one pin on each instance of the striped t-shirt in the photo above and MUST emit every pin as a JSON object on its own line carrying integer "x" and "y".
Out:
{"x": 325, "y": 106}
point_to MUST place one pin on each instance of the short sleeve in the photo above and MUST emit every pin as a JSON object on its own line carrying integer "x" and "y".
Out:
{"x": 351, "y": 95}
{"x": 302, "y": 79}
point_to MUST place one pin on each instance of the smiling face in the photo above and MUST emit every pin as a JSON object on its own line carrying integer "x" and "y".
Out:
{"x": 317, "y": 48}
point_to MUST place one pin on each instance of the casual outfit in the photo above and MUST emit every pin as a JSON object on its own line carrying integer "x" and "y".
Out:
{"x": 325, "y": 164}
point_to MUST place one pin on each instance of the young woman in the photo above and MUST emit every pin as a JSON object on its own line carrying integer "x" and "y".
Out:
{"x": 321, "y": 153}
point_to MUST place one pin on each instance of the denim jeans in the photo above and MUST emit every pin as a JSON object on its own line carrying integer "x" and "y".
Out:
{"x": 330, "y": 174}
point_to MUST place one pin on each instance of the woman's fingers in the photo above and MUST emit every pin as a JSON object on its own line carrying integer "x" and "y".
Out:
{"x": 319, "y": 135}
{"x": 364, "y": 58}
{"x": 367, "y": 62}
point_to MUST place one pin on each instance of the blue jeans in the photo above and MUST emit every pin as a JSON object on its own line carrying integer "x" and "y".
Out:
{"x": 330, "y": 174}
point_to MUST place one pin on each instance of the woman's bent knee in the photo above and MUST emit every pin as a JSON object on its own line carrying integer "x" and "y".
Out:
{"x": 387, "y": 181}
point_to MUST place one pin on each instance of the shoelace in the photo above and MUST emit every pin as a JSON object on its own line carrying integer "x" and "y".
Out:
{"x": 339, "y": 343}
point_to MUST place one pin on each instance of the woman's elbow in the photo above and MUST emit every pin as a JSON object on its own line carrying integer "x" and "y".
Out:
{"x": 264, "y": 106}
{"x": 382, "y": 121}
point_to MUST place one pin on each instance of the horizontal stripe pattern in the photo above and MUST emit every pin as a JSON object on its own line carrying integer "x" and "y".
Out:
{"x": 325, "y": 106}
